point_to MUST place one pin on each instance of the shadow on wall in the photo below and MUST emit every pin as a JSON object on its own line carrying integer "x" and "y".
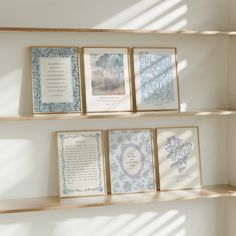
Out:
{"x": 138, "y": 14}
{"x": 153, "y": 14}
{"x": 163, "y": 219}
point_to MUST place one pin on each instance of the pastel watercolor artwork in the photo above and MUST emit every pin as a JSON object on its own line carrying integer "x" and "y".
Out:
{"x": 107, "y": 74}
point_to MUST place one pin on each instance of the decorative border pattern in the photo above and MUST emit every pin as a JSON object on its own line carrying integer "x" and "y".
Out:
{"x": 100, "y": 188}
{"x": 156, "y": 78}
{"x": 40, "y": 107}
{"x": 122, "y": 182}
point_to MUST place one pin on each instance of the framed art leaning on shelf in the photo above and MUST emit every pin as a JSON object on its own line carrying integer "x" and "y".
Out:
{"x": 107, "y": 79}
{"x": 179, "y": 158}
{"x": 55, "y": 79}
{"x": 156, "y": 79}
{"x": 81, "y": 163}
{"x": 131, "y": 157}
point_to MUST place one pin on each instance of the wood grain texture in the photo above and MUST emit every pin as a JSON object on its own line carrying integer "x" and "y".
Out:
{"x": 70, "y": 116}
{"x": 53, "y": 203}
{"x": 131, "y": 31}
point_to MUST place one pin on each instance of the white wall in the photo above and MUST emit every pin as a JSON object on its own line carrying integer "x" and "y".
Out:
{"x": 27, "y": 149}
{"x": 203, "y": 65}
{"x": 135, "y": 14}
{"x": 166, "y": 219}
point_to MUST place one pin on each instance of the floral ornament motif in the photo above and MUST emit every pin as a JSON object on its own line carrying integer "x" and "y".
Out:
{"x": 71, "y": 53}
{"x": 156, "y": 77}
{"x": 144, "y": 179}
{"x": 99, "y": 164}
{"x": 178, "y": 153}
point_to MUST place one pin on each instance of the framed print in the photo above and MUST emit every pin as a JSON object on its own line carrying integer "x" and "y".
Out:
{"x": 179, "y": 158}
{"x": 156, "y": 79}
{"x": 81, "y": 163}
{"x": 132, "y": 167}
{"x": 55, "y": 79}
{"x": 107, "y": 79}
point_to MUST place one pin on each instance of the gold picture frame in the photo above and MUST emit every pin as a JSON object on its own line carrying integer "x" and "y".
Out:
{"x": 99, "y": 190}
{"x": 151, "y": 81}
{"x": 179, "y": 158}
{"x": 135, "y": 157}
{"x": 47, "y": 99}
{"x": 97, "y": 96}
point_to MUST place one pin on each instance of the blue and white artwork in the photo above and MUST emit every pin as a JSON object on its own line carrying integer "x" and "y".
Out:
{"x": 156, "y": 79}
{"x": 81, "y": 163}
{"x": 179, "y": 158}
{"x": 178, "y": 152}
{"x": 67, "y": 86}
{"x": 131, "y": 161}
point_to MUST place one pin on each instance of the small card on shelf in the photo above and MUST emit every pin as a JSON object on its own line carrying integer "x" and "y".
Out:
{"x": 179, "y": 158}
{"x": 81, "y": 163}
{"x": 55, "y": 79}
{"x": 131, "y": 159}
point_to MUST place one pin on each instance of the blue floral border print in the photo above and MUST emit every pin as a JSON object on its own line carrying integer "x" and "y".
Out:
{"x": 122, "y": 182}
{"x": 100, "y": 187}
{"x": 55, "y": 107}
{"x": 156, "y": 78}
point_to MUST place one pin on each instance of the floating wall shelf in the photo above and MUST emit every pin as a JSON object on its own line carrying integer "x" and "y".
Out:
{"x": 53, "y": 203}
{"x": 131, "y": 31}
{"x": 156, "y": 114}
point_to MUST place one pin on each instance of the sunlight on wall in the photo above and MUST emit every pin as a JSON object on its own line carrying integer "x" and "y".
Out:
{"x": 166, "y": 20}
{"x": 150, "y": 15}
{"x": 10, "y": 92}
{"x": 149, "y": 223}
{"x": 16, "y": 163}
{"x": 182, "y": 65}
{"x": 178, "y": 26}
{"x": 19, "y": 229}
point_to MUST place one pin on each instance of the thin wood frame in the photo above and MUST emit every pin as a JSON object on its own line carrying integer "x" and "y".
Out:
{"x": 199, "y": 155}
{"x": 79, "y": 77}
{"x": 129, "y": 80}
{"x": 103, "y": 158}
{"x": 134, "y": 78}
{"x": 153, "y": 159}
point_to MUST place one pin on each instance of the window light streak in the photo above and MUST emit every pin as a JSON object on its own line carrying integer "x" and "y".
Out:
{"x": 10, "y": 92}
{"x": 127, "y": 14}
{"x": 178, "y": 26}
{"x": 19, "y": 229}
{"x": 17, "y": 159}
{"x": 183, "y": 106}
{"x": 159, "y": 223}
{"x": 150, "y": 15}
{"x": 182, "y": 65}
{"x": 167, "y": 19}
{"x": 172, "y": 226}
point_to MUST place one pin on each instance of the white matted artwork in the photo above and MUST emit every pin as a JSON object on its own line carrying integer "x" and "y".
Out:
{"x": 179, "y": 158}
{"x": 107, "y": 79}
{"x": 81, "y": 163}
{"x": 132, "y": 167}
{"x": 156, "y": 78}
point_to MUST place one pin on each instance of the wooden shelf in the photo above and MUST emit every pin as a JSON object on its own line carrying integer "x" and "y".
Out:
{"x": 130, "y": 31}
{"x": 71, "y": 116}
{"x": 53, "y": 203}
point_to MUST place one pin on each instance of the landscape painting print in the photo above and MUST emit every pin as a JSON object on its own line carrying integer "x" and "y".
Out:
{"x": 107, "y": 74}
{"x": 179, "y": 158}
{"x": 107, "y": 79}
{"x": 156, "y": 80}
